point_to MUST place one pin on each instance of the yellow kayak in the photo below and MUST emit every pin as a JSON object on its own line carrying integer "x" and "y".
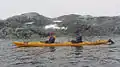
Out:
{"x": 41, "y": 44}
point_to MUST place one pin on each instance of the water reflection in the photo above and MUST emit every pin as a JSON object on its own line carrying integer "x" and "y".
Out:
{"x": 52, "y": 49}
{"x": 78, "y": 50}
{"x": 75, "y": 56}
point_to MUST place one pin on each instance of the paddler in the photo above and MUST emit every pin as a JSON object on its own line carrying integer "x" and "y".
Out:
{"x": 51, "y": 37}
{"x": 78, "y": 37}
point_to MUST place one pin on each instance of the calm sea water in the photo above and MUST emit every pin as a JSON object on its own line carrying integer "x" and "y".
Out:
{"x": 88, "y": 56}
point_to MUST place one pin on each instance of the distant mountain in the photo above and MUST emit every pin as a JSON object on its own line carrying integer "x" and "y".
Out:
{"x": 102, "y": 25}
{"x": 35, "y": 23}
{"x": 19, "y": 20}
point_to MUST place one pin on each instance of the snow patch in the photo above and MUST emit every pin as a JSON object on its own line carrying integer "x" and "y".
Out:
{"x": 54, "y": 26}
{"x": 64, "y": 28}
{"x": 29, "y": 23}
{"x": 57, "y": 21}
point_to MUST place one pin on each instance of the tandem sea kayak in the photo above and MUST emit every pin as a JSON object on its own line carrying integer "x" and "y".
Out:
{"x": 42, "y": 44}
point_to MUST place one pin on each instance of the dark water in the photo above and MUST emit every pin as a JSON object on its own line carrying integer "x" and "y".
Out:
{"x": 88, "y": 56}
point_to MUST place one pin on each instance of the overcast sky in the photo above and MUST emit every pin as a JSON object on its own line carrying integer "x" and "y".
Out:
{"x": 55, "y": 8}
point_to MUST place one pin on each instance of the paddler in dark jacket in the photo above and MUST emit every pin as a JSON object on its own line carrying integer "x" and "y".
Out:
{"x": 78, "y": 37}
{"x": 51, "y": 38}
